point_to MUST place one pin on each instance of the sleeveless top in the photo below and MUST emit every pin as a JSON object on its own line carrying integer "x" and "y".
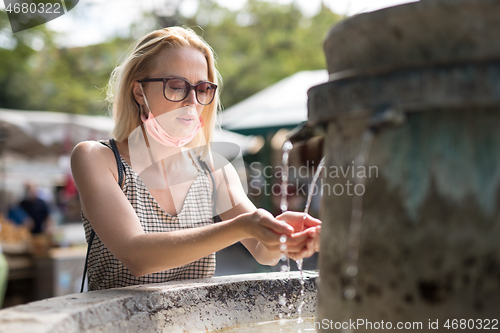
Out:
{"x": 106, "y": 271}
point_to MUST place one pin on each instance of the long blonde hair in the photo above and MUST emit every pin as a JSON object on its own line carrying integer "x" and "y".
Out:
{"x": 140, "y": 62}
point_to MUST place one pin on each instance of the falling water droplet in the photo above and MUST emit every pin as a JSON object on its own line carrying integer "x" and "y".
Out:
{"x": 299, "y": 264}
{"x": 349, "y": 293}
{"x": 299, "y": 309}
{"x": 352, "y": 271}
{"x": 287, "y": 145}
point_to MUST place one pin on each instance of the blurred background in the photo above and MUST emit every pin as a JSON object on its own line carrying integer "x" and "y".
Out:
{"x": 52, "y": 96}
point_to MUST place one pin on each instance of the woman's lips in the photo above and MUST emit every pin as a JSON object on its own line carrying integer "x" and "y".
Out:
{"x": 185, "y": 120}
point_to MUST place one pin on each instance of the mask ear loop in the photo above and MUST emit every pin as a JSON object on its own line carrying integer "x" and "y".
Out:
{"x": 143, "y": 117}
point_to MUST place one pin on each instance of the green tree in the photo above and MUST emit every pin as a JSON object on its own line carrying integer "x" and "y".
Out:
{"x": 18, "y": 59}
{"x": 256, "y": 46}
{"x": 37, "y": 75}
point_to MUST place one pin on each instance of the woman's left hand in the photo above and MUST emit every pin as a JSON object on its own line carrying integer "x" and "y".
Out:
{"x": 312, "y": 244}
{"x": 306, "y": 239}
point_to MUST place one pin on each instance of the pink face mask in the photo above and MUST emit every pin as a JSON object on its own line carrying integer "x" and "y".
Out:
{"x": 159, "y": 134}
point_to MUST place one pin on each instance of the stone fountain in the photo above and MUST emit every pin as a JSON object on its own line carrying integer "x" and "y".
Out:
{"x": 423, "y": 79}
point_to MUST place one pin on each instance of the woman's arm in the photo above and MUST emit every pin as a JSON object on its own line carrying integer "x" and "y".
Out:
{"x": 115, "y": 221}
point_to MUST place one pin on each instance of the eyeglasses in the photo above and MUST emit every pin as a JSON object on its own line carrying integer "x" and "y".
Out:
{"x": 176, "y": 89}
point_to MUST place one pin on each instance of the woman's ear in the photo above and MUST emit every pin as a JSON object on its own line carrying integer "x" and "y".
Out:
{"x": 138, "y": 95}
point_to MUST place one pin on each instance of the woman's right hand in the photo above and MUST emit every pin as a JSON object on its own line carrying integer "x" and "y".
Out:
{"x": 264, "y": 227}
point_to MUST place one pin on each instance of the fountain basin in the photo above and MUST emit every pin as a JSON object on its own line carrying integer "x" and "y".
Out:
{"x": 186, "y": 306}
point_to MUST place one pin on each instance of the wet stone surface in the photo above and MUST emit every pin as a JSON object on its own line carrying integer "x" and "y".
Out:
{"x": 187, "y": 306}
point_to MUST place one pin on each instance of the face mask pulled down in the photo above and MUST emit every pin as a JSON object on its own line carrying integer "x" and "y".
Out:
{"x": 165, "y": 130}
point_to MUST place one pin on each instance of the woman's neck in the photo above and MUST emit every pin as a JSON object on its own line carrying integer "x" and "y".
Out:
{"x": 174, "y": 157}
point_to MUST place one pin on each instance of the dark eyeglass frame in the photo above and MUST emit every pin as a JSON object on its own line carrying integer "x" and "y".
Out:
{"x": 191, "y": 87}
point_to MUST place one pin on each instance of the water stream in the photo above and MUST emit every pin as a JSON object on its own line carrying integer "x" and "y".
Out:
{"x": 287, "y": 147}
{"x": 306, "y": 211}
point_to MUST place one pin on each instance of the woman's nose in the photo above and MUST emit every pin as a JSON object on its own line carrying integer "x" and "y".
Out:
{"x": 191, "y": 98}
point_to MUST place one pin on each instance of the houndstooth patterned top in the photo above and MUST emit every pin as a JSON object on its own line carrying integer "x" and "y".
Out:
{"x": 106, "y": 271}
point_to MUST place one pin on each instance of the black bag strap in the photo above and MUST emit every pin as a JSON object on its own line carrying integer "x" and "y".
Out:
{"x": 120, "y": 182}
{"x": 118, "y": 161}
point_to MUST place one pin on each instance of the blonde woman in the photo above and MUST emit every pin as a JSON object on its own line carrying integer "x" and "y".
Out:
{"x": 148, "y": 196}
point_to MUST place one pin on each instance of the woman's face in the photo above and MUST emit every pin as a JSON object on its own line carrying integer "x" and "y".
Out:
{"x": 177, "y": 118}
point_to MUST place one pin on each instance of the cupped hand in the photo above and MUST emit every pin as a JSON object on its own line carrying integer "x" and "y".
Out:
{"x": 298, "y": 220}
{"x": 305, "y": 241}
{"x": 267, "y": 229}
{"x": 311, "y": 246}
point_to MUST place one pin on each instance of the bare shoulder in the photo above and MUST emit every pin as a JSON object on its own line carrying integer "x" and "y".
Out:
{"x": 91, "y": 155}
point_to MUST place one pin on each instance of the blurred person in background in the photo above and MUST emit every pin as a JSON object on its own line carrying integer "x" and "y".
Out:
{"x": 16, "y": 213}
{"x": 36, "y": 208}
{"x": 156, "y": 223}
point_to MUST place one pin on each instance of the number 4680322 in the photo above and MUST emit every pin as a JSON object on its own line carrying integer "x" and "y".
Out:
{"x": 33, "y": 8}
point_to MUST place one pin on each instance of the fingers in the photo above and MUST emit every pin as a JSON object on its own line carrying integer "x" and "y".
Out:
{"x": 306, "y": 252}
{"x": 293, "y": 219}
{"x": 299, "y": 221}
{"x": 311, "y": 221}
{"x": 318, "y": 238}
{"x": 297, "y": 241}
{"x": 267, "y": 220}
{"x": 264, "y": 227}
{"x": 305, "y": 248}
{"x": 280, "y": 228}
{"x": 299, "y": 228}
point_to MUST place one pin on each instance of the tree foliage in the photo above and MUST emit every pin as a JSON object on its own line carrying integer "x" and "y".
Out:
{"x": 262, "y": 43}
{"x": 256, "y": 47}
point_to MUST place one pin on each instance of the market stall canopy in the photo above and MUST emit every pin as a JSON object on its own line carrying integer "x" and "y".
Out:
{"x": 38, "y": 133}
{"x": 283, "y": 104}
